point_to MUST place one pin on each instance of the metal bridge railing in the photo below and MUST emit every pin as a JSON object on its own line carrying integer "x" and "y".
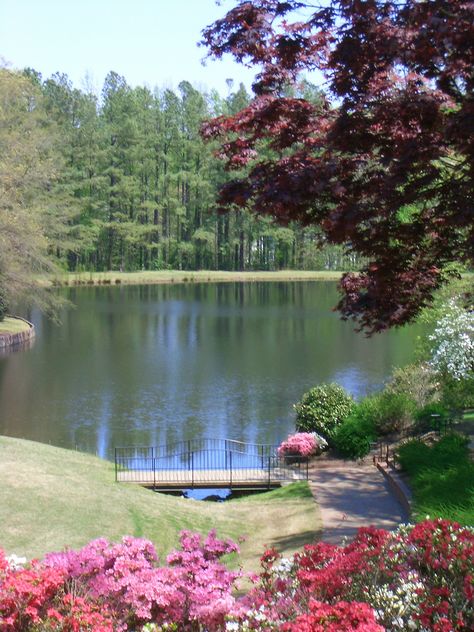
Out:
{"x": 195, "y": 445}
{"x": 231, "y": 464}
{"x": 384, "y": 451}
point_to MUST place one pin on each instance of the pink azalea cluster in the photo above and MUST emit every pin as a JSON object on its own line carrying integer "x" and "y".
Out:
{"x": 105, "y": 587}
{"x": 417, "y": 578}
{"x": 38, "y": 598}
{"x": 300, "y": 444}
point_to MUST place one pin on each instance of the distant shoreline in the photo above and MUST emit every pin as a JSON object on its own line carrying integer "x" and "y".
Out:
{"x": 183, "y": 276}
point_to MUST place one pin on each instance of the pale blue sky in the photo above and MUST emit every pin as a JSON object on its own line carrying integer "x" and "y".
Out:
{"x": 150, "y": 42}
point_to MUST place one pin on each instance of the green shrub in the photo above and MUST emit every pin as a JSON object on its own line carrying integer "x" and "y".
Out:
{"x": 458, "y": 394}
{"x": 353, "y": 438}
{"x": 450, "y": 450}
{"x": 322, "y": 409}
{"x": 413, "y": 456}
{"x": 390, "y": 412}
{"x": 431, "y": 416}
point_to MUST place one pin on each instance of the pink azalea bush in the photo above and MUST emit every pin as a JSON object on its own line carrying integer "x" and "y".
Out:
{"x": 105, "y": 587}
{"x": 38, "y": 598}
{"x": 417, "y": 578}
{"x": 301, "y": 444}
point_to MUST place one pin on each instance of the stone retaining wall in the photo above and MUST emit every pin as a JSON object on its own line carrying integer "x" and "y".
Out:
{"x": 19, "y": 338}
{"x": 397, "y": 485}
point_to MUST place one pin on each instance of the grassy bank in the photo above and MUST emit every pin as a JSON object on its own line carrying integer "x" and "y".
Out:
{"x": 441, "y": 478}
{"x": 52, "y": 498}
{"x": 182, "y": 276}
{"x": 186, "y": 276}
{"x": 10, "y": 325}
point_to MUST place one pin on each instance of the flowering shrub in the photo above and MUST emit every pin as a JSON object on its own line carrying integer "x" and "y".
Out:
{"x": 300, "y": 444}
{"x": 105, "y": 587}
{"x": 452, "y": 352}
{"x": 26, "y": 595}
{"x": 417, "y": 578}
{"x": 343, "y": 615}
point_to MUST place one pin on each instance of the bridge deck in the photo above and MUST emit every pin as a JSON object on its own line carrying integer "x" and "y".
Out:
{"x": 182, "y": 479}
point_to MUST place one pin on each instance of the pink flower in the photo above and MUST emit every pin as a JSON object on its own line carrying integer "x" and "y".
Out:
{"x": 301, "y": 443}
{"x": 122, "y": 586}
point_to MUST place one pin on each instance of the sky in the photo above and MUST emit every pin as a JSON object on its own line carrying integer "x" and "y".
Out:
{"x": 149, "y": 42}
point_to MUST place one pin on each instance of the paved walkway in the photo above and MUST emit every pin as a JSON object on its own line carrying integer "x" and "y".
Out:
{"x": 352, "y": 496}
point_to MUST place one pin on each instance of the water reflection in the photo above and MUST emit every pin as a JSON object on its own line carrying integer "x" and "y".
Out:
{"x": 18, "y": 347}
{"x": 152, "y": 364}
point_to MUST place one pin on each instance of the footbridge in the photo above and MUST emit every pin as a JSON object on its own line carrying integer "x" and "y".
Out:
{"x": 207, "y": 463}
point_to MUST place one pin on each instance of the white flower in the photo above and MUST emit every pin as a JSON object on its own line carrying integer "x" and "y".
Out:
{"x": 15, "y": 562}
{"x": 453, "y": 342}
{"x": 284, "y": 566}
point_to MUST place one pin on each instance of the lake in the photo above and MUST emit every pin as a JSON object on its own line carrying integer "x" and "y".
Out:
{"x": 142, "y": 365}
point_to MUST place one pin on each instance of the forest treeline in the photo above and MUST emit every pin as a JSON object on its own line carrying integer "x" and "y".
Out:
{"x": 124, "y": 181}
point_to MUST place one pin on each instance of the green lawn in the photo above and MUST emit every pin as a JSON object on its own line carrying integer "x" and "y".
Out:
{"x": 182, "y": 276}
{"x": 11, "y": 325}
{"x": 53, "y": 498}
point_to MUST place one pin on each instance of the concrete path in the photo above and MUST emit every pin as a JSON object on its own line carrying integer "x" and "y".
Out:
{"x": 352, "y": 496}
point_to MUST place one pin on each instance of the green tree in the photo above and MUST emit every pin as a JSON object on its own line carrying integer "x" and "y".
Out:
{"x": 135, "y": 187}
{"x": 29, "y": 170}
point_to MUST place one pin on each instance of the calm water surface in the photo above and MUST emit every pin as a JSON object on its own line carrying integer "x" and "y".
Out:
{"x": 152, "y": 364}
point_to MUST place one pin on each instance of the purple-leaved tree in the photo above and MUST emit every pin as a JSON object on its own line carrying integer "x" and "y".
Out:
{"x": 383, "y": 162}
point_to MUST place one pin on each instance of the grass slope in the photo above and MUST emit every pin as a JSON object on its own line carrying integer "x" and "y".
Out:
{"x": 441, "y": 477}
{"x": 53, "y": 498}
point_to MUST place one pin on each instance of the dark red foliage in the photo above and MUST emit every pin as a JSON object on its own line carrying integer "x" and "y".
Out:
{"x": 388, "y": 171}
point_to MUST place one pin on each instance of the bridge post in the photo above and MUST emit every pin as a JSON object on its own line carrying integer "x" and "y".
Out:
{"x": 116, "y": 468}
{"x": 192, "y": 470}
{"x": 230, "y": 459}
{"x": 269, "y": 470}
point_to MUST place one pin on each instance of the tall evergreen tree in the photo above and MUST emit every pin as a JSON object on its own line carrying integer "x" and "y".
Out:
{"x": 135, "y": 185}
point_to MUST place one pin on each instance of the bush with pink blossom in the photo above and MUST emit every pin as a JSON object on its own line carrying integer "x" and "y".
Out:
{"x": 302, "y": 444}
{"x": 418, "y": 578}
{"x": 104, "y": 587}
